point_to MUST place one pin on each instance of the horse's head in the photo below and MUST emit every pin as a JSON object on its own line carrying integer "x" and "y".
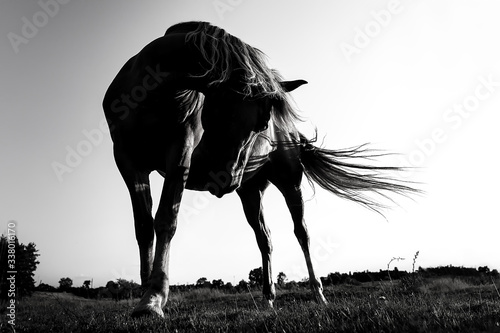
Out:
{"x": 231, "y": 122}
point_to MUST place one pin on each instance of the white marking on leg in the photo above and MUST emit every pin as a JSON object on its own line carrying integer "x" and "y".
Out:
{"x": 141, "y": 187}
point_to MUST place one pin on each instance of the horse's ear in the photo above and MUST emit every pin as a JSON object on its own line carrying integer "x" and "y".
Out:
{"x": 292, "y": 85}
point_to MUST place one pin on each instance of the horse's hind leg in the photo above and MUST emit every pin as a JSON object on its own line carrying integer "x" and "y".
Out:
{"x": 293, "y": 196}
{"x": 251, "y": 197}
{"x": 140, "y": 193}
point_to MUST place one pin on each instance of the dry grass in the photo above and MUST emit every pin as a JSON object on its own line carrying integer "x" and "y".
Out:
{"x": 439, "y": 305}
{"x": 445, "y": 285}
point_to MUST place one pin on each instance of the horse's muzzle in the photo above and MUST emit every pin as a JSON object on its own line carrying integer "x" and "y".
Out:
{"x": 221, "y": 183}
{"x": 220, "y": 192}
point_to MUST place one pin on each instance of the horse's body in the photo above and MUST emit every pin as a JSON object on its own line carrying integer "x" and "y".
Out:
{"x": 200, "y": 107}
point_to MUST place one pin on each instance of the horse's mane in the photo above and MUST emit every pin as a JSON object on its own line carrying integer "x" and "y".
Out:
{"x": 227, "y": 54}
{"x": 229, "y": 57}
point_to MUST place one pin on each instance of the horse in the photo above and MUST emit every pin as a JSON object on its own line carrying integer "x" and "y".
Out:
{"x": 203, "y": 109}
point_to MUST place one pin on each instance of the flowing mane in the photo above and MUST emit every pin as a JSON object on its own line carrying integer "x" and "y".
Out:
{"x": 228, "y": 56}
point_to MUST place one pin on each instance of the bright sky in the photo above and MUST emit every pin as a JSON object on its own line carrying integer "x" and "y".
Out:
{"x": 419, "y": 78}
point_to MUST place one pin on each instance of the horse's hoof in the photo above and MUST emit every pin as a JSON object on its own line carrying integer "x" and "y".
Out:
{"x": 147, "y": 311}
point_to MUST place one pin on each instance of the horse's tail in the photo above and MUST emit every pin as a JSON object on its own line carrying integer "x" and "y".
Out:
{"x": 338, "y": 172}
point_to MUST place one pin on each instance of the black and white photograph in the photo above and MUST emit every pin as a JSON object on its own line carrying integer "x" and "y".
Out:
{"x": 249, "y": 166}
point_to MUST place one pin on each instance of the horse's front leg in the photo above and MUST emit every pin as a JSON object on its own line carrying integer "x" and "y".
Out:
{"x": 165, "y": 224}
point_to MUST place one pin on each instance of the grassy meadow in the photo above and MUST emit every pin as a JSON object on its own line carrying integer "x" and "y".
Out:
{"x": 443, "y": 304}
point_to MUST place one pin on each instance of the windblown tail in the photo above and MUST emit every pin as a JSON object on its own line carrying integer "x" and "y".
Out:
{"x": 332, "y": 170}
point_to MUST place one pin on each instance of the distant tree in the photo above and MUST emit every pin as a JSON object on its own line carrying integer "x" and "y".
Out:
{"x": 483, "y": 270}
{"x": 255, "y": 276}
{"x": 229, "y": 286}
{"x": 22, "y": 259}
{"x": 135, "y": 289}
{"x": 494, "y": 273}
{"x": 121, "y": 289}
{"x": 304, "y": 282}
{"x": 115, "y": 289}
{"x": 335, "y": 278}
{"x": 201, "y": 282}
{"x": 281, "y": 279}
{"x": 65, "y": 284}
{"x": 45, "y": 287}
{"x": 126, "y": 285}
{"x": 86, "y": 284}
{"x": 242, "y": 286}
{"x": 217, "y": 284}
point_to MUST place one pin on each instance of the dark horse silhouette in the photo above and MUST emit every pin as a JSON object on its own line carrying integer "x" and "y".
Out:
{"x": 203, "y": 109}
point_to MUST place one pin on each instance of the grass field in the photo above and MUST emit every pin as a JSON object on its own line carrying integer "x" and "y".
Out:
{"x": 435, "y": 305}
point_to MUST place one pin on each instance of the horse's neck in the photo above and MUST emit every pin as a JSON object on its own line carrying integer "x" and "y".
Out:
{"x": 183, "y": 27}
{"x": 170, "y": 54}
